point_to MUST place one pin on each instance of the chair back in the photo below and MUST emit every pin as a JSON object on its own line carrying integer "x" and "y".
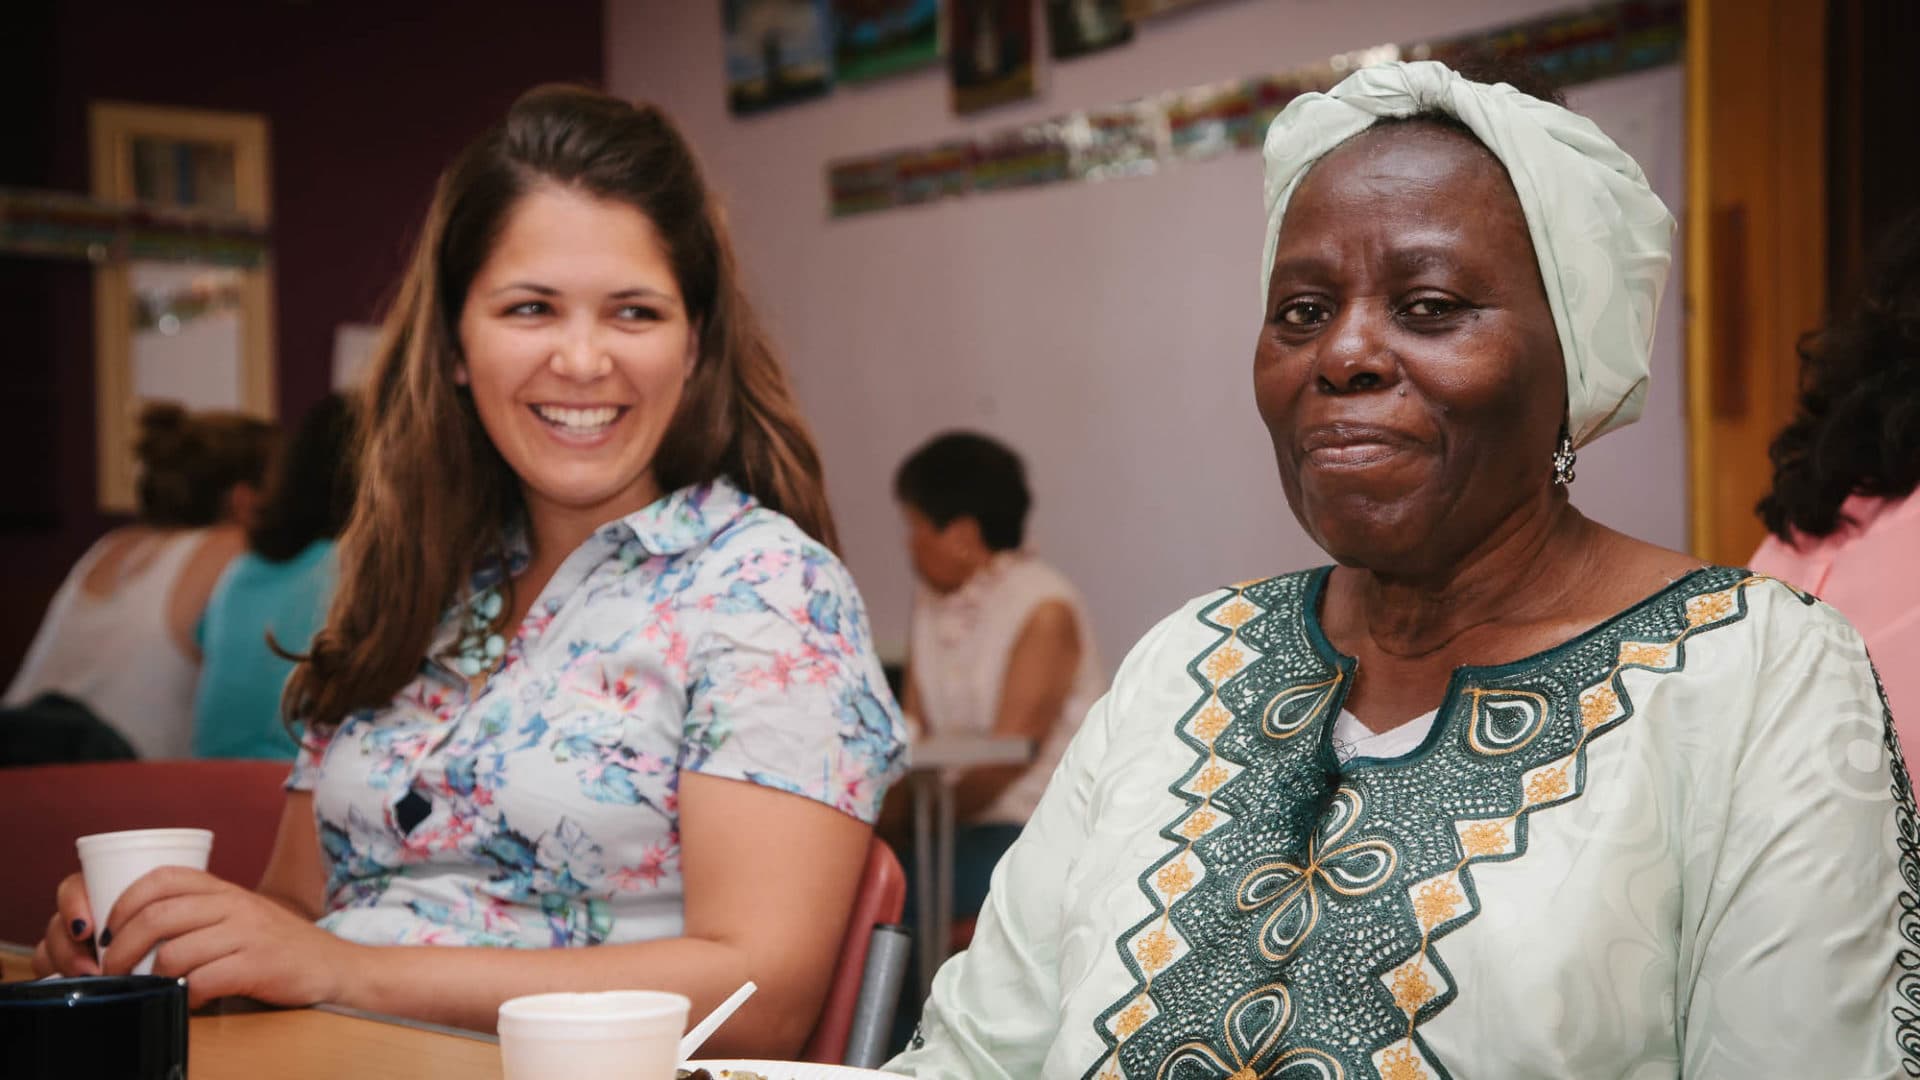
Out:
{"x": 881, "y": 900}
{"x": 46, "y": 807}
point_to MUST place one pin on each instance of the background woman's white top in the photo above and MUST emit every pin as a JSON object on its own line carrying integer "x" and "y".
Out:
{"x": 115, "y": 652}
{"x": 961, "y": 645}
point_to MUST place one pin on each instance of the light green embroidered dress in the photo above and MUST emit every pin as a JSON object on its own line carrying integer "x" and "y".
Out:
{"x": 1674, "y": 846}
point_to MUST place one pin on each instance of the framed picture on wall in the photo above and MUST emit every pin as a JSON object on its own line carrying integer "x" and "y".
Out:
{"x": 778, "y": 52}
{"x": 876, "y": 38}
{"x": 169, "y": 329}
{"x": 990, "y": 52}
{"x": 1142, "y": 9}
{"x": 1079, "y": 27}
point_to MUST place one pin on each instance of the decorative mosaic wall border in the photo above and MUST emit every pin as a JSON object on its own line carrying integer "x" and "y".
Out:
{"x": 1141, "y": 136}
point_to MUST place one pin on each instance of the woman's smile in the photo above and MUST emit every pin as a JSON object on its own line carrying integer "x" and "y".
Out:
{"x": 582, "y": 426}
{"x": 1344, "y": 446}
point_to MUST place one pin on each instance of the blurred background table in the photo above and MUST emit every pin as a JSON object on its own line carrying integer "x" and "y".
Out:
{"x": 323, "y": 1043}
{"x": 933, "y": 757}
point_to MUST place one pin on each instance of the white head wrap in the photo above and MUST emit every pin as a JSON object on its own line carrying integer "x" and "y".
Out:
{"x": 1603, "y": 238}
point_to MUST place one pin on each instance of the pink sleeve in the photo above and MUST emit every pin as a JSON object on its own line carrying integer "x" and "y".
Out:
{"x": 1778, "y": 559}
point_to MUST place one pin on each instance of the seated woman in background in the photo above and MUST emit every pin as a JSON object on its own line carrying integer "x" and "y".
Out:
{"x": 1641, "y": 821}
{"x": 999, "y": 642}
{"x": 592, "y": 675}
{"x": 1844, "y": 517}
{"x": 274, "y": 597}
{"x": 119, "y": 635}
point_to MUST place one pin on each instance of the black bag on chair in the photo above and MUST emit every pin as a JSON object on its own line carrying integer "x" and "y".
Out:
{"x": 54, "y": 729}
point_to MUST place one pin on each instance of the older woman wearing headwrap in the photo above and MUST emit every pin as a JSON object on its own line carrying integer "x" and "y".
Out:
{"x": 1503, "y": 793}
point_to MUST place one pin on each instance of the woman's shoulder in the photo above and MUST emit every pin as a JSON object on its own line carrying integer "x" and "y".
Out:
{"x": 1210, "y": 620}
{"x": 208, "y": 554}
{"x": 1724, "y": 594}
{"x": 1779, "y": 693}
{"x": 1028, "y": 581}
{"x": 130, "y": 553}
{"x": 251, "y": 572}
{"x": 710, "y": 534}
{"x": 209, "y": 551}
{"x": 104, "y": 555}
{"x": 1032, "y": 570}
{"x": 767, "y": 541}
{"x": 763, "y": 563}
{"x": 759, "y": 525}
{"x": 1783, "y": 638}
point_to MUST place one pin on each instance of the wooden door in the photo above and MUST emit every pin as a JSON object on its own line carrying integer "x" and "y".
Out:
{"x": 1756, "y": 234}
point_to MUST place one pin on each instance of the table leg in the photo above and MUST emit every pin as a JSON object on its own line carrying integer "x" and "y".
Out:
{"x": 945, "y": 855}
{"x": 924, "y": 879}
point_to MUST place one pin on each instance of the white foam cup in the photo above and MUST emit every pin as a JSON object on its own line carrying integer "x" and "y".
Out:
{"x": 615, "y": 1035}
{"x": 112, "y": 861}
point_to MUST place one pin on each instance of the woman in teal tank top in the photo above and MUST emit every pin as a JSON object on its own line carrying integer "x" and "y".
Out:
{"x": 272, "y": 599}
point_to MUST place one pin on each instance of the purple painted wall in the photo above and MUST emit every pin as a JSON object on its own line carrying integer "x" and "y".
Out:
{"x": 366, "y": 101}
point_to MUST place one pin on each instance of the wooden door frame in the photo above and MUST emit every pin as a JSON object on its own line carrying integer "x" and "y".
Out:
{"x": 112, "y": 128}
{"x": 1756, "y": 234}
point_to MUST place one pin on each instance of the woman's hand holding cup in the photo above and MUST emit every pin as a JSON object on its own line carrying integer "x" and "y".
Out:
{"x": 143, "y": 901}
{"x": 225, "y": 940}
{"x": 67, "y": 946}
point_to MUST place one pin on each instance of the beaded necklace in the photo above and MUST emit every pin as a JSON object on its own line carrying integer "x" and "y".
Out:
{"x": 480, "y": 646}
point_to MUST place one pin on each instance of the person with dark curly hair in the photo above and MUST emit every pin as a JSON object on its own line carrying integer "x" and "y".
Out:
{"x": 1845, "y": 524}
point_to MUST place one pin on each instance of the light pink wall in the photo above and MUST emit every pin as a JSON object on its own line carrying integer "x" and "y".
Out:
{"x": 1105, "y": 330}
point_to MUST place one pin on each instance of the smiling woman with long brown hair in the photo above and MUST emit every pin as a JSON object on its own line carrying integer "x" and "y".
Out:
{"x": 593, "y": 676}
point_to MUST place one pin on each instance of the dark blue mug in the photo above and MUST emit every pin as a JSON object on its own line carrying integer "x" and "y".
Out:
{"x": 131, "y": 1026}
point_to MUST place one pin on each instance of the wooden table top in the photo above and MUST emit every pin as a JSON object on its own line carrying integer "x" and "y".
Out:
{"x": 15, "y": 963}
{"x": 311, "y": 1044}
{"x": 316, "y": 1044}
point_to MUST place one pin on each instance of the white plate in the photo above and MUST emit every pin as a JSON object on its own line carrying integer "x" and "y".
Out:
{"x": 785, "y": 1070}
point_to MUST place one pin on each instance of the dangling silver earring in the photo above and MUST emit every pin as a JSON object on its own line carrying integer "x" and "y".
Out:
{"x": 1563, "y": 458}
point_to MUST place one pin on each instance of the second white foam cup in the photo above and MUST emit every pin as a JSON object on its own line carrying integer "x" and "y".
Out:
{"x": 615, "y": 1035}
{"x": 112, "y": 861}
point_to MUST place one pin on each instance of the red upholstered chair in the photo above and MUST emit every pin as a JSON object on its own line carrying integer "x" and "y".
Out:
{"x": 43, "y": 808}
{"x": 881, "y": 900}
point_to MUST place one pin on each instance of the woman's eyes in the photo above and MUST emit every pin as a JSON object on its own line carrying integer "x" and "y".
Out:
{"x": 1302, "y": 313}
{"x": 1431, "y": 307}
{"x": 623, "y": 313}
{"x": 1423, "y": 312}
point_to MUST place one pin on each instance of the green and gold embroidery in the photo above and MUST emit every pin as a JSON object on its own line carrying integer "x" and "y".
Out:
{"x": 1291, "y": 893}
{"x": 1906, "y": 1012}
{"x": 1294, "y": 923}
{"x": 1251, "y": 1046}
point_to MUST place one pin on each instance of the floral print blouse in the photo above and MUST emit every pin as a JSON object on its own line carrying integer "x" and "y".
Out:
{"x": 704, "y": 633}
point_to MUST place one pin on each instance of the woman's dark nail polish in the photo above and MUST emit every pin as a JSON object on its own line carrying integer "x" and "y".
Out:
{"x": 79, "y": 928}
{"x": 106, "y": 938}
